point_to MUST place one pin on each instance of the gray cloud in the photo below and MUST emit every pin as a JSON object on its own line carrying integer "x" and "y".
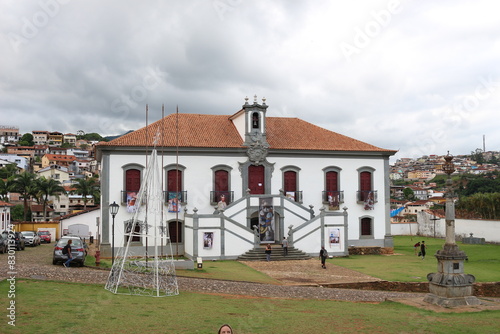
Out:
{"x": 420, "y": 77}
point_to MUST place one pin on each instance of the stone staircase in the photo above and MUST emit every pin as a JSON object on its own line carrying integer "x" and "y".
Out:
{"x": 258, "y": 254}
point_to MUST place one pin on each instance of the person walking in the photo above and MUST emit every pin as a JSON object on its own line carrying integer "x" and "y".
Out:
{"x": 268, "y": 252}
{"x": 67, "y": 251}
{"x": 416, "y": 247}
{"x": 323, "y": 254}
{"x": 422, "y": 249}
{"x": 284, "y": 243}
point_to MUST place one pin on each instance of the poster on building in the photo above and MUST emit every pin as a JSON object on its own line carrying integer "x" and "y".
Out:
{"x": 266, "y": 220}
{"x": 208, "y": 240}
{"x": 173, "y": 202}
{"x": 334, "y": 238}
{"x": 131, "y": 201}
{"x": 222, "y": 203}
{"x": 333, "y": 201}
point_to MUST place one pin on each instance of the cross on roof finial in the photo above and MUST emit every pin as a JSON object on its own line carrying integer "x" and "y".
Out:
{"x": 255, "y": 98}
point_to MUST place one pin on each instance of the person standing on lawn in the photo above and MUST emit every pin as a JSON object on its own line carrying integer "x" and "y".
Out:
{"x": 323, "y": 254}
{"x": 67, "y": 251}
{"x": 422, "y": 249}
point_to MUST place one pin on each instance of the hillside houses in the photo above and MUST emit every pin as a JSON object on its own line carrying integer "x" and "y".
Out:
{"x": 427, "y": 167}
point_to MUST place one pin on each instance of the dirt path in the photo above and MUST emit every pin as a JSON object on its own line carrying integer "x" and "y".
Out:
{"x": 304, "y": 272}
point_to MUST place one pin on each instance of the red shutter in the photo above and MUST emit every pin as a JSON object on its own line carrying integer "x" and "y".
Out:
{"x": 290, "y": 181}
{"x": 132, "y": 180}
{"x": 221, "y": 180}
{"x": 332, "y": 181}
{"x": 365, "y": 181}
{"x": 174, "y": 180}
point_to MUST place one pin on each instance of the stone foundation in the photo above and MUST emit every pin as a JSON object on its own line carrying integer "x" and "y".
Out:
{"x": 370, "y": 250}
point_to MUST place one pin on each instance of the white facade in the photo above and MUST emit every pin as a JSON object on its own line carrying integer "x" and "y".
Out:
{"x": 306, "y": 223}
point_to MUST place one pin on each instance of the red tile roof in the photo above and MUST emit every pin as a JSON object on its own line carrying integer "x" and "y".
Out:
{"x": 218, "y": 131}
{"x": 60, "y": 157}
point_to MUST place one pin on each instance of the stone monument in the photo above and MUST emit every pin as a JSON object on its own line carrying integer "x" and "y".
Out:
{"x": 450, "y": 287}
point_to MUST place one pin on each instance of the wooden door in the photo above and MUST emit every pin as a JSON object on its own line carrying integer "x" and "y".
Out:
{"x": 256, "y": 180}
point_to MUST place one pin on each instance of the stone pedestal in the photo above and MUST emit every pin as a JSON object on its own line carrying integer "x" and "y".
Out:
{"x": 450, "y": 287}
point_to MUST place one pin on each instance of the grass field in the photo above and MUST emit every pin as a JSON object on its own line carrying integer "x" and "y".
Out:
{"x": 58, "y": 307}
{"x": 404, "y": 266}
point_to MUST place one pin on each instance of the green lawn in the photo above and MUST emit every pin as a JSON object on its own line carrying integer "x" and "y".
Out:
{"x": 58, "y": 307}
{"x": 404, "y": 266}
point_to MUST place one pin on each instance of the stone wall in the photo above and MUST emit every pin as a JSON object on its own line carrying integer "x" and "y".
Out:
{"x": 370, "y": 250}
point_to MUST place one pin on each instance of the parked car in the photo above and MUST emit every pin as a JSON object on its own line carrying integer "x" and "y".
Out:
{"x": 18, "y": 239}
{"x": 78, "y": 251}
{"x": 31, "y": 238}
{"x": 45, "y": 236}
{"x": 4, "y": 246}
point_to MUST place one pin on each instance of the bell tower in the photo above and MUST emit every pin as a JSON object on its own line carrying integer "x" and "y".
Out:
{"x": 255, "y": 122}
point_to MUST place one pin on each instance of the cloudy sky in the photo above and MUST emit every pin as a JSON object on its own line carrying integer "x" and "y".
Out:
{"x": 418, "y": 77}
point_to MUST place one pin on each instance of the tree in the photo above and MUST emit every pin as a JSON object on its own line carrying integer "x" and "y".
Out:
{"x": 8, "y": 171}
{"x": 408, "y": 193}
{"x": 4, "y": 189}
{"x": 92, "y": 137}
{"x": 17, "y": 213}
{"x": 479, "y": 205}
{"x": 87, "y": 187}
{"x": 25, "y": 185}
{"x": 26, "y": 140}
{"x": 48, "y": 187}
{"x": 477, "y": 156}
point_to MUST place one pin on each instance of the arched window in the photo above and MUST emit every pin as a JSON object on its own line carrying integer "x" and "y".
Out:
{"x": 332, "y": 195}
{"x": 174, "y": 184}
{"x": 291, "y": 187}
{"x": 175, "y": 231}
{"x": 132, "y": 174}
{"x": 366, "y": 227}
{"x": 366, "y": 193}
{"x": 255, "y": 120}
{"x": 221, "y": 194}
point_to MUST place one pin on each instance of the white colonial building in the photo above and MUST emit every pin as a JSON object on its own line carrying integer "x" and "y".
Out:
{"x": 234, "y": 182}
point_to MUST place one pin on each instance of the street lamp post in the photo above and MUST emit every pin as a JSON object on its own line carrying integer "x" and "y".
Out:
{"x": 113, "y": 209}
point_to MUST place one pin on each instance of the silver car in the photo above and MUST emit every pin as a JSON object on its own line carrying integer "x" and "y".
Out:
{"x": 31, "y": 238}
{"x": 78, "y": 251}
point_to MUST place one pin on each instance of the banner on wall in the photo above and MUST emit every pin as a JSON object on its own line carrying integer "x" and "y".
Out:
{"x": 174, "y": 204}
{"x": 334, "y": 238}
{"x": 208, "y": 240}
{"x": 131, "y": 201}
{"x": 266, "y": 219}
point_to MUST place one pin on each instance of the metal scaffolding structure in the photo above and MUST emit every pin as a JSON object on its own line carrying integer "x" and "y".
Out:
{"x": 145, "y": 265}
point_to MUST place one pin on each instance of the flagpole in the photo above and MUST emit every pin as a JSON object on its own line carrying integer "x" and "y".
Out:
{"x": 177, "y": 182}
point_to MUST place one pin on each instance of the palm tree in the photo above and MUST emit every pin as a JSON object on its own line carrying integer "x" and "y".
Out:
{"x": 25, "y": 185}
{"x": 48, "y": 187}
{"x": 8, "y": 171}
{"x": 4, "y": 189}
{"x": 87, "y": 187}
